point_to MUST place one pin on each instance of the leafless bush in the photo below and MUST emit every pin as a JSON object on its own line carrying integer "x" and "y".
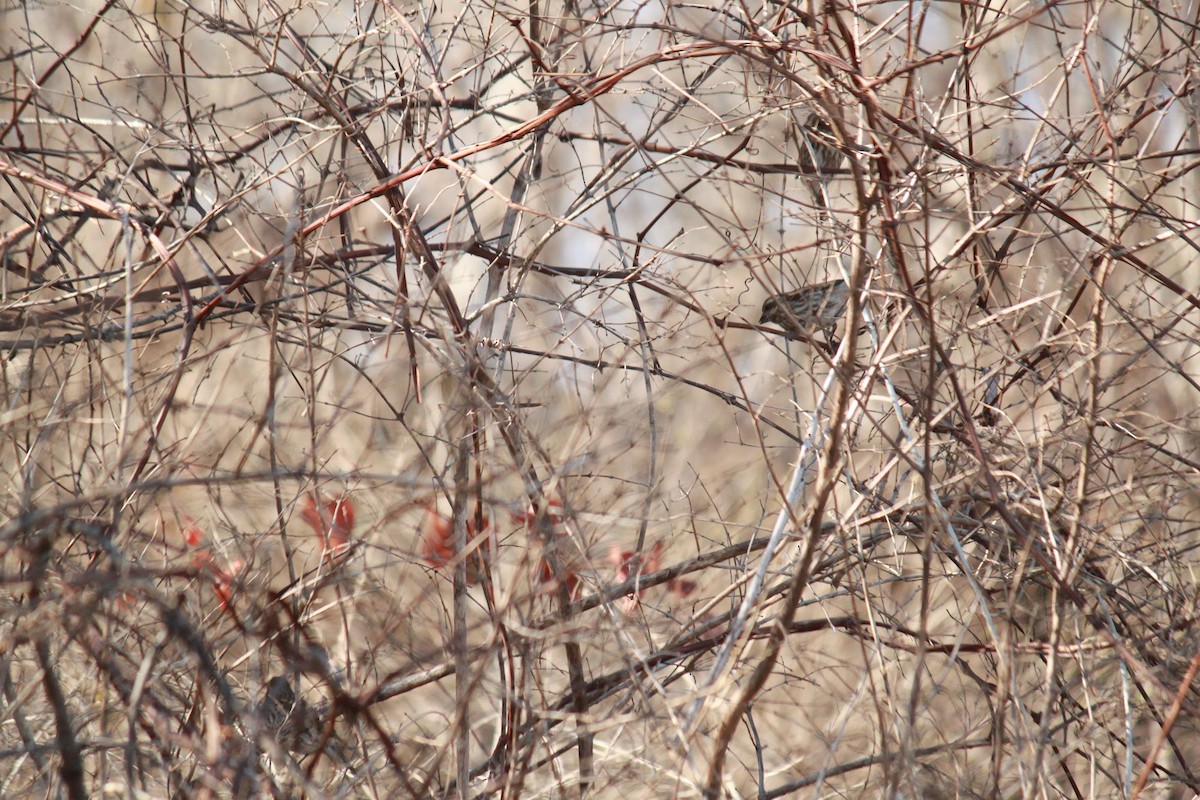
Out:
{"x": 387, "y": 410}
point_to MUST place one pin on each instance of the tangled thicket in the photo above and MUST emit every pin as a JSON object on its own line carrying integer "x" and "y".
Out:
{"x": 386, "y": 411}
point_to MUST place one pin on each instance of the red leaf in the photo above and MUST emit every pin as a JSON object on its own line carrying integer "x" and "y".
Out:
{"x": 192, "y": 533}
{"x": 551, "y": 517}
{"x": 437, "y": 541}
{"x": 223, "y": 581}
{"x": 547, "y": 576}
{"x": 682, "y": 587}
{"x": 437, "y": 544}
{"x": 626, "y": 563}
{"x": 549, "y": 526}
{"x": 331, "y": 520}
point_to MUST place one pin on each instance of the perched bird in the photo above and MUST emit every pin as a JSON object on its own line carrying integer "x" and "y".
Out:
{"x": 298, "y": 726}
{"x": 816, "y": 306}
{"x": 819, "y": 154}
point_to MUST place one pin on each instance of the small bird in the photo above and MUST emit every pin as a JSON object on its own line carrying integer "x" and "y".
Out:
{"x": 819, "y": 153}
{"x": 812, "y": 307}
{"x": 298, "y": 726}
